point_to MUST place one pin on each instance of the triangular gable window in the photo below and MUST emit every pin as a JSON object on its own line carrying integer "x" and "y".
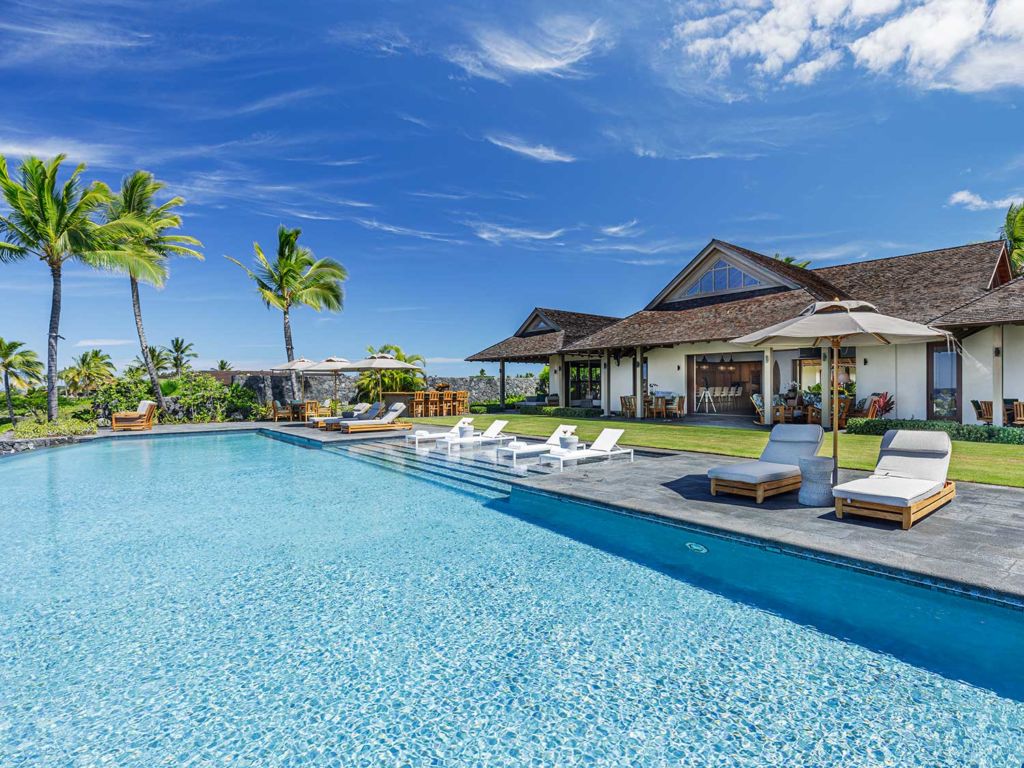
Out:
{"x": 538, "y": 324}
{"x": 721, "y": 277}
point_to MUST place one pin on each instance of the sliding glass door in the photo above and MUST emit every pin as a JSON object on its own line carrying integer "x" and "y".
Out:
{"x": 584, "y": 380}
{"x": 944, "y": 383}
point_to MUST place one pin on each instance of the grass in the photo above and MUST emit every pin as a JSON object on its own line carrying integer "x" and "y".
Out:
{"x": 972, "y": 462}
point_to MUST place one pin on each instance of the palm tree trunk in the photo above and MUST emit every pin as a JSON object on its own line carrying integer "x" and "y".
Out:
{"x": 51, "y": 344}
{"x": 289, "y": 350}
{"x": 153, "y": 378}
{"x": 7, "y": 394}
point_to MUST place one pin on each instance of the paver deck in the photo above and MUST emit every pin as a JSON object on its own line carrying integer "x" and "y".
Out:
{"x": 977, "y": 540}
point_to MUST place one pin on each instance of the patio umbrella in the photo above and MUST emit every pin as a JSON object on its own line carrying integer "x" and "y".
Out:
{"x": 841, "y": 323}
{"x": 293, "y": 367}
{"x": 381, "y": 362}
{"x": 329, "y": 365}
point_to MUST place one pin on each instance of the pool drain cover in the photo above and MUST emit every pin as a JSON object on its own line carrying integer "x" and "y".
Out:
{"x": 700, "y": 549}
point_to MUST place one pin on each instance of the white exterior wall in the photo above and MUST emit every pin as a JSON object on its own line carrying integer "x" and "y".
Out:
{"x": 1013, "y": 362}
{"x": 555, "y": 380}
{"x": 977, "y": 370}
{"x": 900, "y": 370}
{"x": 661, "y": 370}
{"x": 622, "y": 382}
{"x": 785, "y": 358}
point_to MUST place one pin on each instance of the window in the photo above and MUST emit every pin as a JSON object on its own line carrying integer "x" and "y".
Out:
{"x": 584, "y": 380}
{"x": 944, "y": 380}
{"x": 722, "y": 276}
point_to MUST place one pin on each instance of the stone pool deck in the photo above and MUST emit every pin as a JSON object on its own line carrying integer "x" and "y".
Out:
{"x": 282, "y": 428}
{"x": 976, "y": 540}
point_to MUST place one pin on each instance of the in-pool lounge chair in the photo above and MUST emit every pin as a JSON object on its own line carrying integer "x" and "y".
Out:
{"x": 385, "y": 423}
{"x": 423, "y": 436}
{"x": 335, "y": 422}
{"x": 517, "y": 450}
{"x": 134, "y": 421}
{"x": 908, "y": 483}
{"x": 777, "y": 471}
{"x": 492, "y": 434}
{"x": 605, "y": 447}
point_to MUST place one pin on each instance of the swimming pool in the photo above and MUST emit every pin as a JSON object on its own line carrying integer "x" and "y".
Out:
{"x": 235, "y": 600}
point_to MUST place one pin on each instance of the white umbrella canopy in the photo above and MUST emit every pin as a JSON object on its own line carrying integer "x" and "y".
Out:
{"x": 381, "y": 362}
{"x": 293, "y": 367}
{"x": 838, "y": 324}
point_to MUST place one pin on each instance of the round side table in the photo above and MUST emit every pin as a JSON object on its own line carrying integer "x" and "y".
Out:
{"x": 816, "y": 481}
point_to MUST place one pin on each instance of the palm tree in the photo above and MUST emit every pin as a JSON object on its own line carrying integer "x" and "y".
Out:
{"x": 87, "y": 371}
{"x": 223, "y": 365}
{"x": 790, "y": 260}
{"x": 1013, "y": 232}
{"x": 21, "y": 368}
{"x": 55, "y": 224}
{"x": 405, "y": 380}
{"x": 137, "y": 199}
{"x": 295, "y": 278}
{"x": 161, "y": 360}
{"x": 180, "y": 352}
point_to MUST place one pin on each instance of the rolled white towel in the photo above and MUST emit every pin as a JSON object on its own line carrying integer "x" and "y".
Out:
{"x": 515, "y": 445}
{"x": 421, "y": 433}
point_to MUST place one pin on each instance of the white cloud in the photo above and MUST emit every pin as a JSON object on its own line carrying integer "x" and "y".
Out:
{"x": 554, "y": 46}
{"x": 643, "y": 262}
{"x": 626, "y": 229}
{"x": 91, "y": 343}
{"x": 539, "y": 152}
{"x": 497, "y": 234}
{"x": 276, "y": 101}
{"x": 969, "y": 45}
{"x": 393, "y": 229}
{"x": 17, "y": 148}
{"x": 975, "y": 202}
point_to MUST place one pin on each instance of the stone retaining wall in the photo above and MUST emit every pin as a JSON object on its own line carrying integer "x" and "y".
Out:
{"x": 278, "y": 387}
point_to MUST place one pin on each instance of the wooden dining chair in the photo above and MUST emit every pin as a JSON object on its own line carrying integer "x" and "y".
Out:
{"x": 433, "y": 398}
{"x": 1018, "y": 414}
{"x": 627, "y": 404}
{"x": 659, "y": 407}
{"x": 986, "y": 411}
{"x": 418, "y": 407}
{"x": 461, "y": 402}
{"x": 310, "y": 409}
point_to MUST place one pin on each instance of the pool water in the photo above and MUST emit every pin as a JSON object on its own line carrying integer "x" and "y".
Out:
{"x": 235, "y": 600}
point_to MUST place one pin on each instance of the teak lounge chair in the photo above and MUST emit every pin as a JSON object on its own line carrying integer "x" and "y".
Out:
{"x": 522, "y": 450}
{"x": 604, "y": 447}
{"x": 385, "y": 423}
{"x": 492, "y": 434}
{"x": 134, "y": 421}
{"x": 777, "y": 471}
{"x": 909, "y": 481}
{"x": 422, "y": 436}
{"x": 335, "y": 422}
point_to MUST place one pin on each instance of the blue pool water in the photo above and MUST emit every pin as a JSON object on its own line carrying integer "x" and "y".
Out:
{"x": 234, "y": 600}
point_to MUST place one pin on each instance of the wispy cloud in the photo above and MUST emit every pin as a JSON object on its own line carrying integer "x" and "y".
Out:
{"x": 626, "y": 229}
{"x": 393, "y": 229}
{"x": 414, "y": 120}
{"x": 648, "y": 248}
{"x": 17, "y": 147}
{"x": 497, "y": 234}
{"x": 553, "y": 46}
{"x": 975, "y": 202}
{"x": 644, "y": 262}
{"x": 92, "y": 343}
{"x": 539, "y": 152}
{"x": 382, "y": 39}
{"x": 274, "y": 101}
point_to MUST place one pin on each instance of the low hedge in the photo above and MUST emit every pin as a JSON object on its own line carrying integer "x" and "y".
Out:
{"x": 970, "y": 433}
{"x": 64, "y": 426}
{"x": 550, "y": 410}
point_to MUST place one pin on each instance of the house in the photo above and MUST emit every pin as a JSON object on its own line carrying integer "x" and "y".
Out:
{"x": 679, "y": 342}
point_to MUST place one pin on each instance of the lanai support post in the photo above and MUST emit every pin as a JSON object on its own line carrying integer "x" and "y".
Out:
{"x": 998, "y": 408}
{"x": 501, "y": 383}
{"x": 768, "y": 386}
{"x": 639, "y": 386}
{"x": 606, "y": 383}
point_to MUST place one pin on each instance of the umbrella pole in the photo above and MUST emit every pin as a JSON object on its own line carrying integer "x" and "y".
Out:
{"x": 835, "y": 411}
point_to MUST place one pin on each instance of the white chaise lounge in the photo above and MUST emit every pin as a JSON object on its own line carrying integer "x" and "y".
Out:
{"x": 777, "y": 471}
{"x": 423, "y": 436}
{"x": 606, "y": 446}
{"x": 492, "y": 434}
{"x": 386, "y": 422}
{"x": 522, "y": 450}
{"x": 909, "y": 481}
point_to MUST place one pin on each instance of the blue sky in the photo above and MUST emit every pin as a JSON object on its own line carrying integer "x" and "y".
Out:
{"x": 468, "y": 161}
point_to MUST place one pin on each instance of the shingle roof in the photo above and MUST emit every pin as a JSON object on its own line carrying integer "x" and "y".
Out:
{"x": 920, "y": 286}
{"x": 1000, "y": 305}
{"x": 568, "y": 328}
{"x": 723, "y": 321}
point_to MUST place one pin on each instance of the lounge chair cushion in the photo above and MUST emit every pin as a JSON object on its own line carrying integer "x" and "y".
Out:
{"x": 894, "y": 491}
{"x": 754, "y": 472}
{"x": 788, "y": 442}
{"x": 144, "y": 406}
{"x": 914, "y": 454}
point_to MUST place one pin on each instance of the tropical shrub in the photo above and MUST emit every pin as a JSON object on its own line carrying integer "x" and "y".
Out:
{"x": 123, "y": 394}
{"x": 240, "y": 401}
{"x": 971, "y": 433}
{"x": 201, "y": 397}
{"x": 62, "y": 426}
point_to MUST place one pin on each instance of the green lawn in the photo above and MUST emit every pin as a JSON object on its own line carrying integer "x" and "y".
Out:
{"x": 972, "y": 462}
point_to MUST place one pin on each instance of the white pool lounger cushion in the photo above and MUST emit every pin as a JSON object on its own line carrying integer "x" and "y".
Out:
{"x": 777, "y": 471}
{"x": 909, "y": 481}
